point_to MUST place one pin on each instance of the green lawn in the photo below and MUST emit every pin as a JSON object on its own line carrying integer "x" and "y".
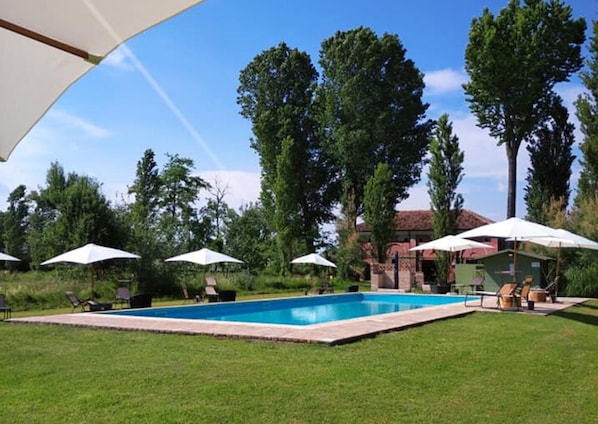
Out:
{"x": 485, "y": 367}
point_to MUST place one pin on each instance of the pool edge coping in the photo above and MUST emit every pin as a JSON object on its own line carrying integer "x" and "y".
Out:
{"x": 334, "y": 333}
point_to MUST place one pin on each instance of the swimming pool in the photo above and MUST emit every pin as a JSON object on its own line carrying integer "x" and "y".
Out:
{"x": 299, "y": 311}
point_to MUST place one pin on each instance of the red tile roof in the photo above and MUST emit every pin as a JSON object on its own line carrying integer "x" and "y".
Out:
{"x": 421, "y": 220}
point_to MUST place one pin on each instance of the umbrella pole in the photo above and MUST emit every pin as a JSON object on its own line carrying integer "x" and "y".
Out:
{"x": 558, "y": 263}
{"x": 92, "y": 280}
{"x": 515, "y": 260}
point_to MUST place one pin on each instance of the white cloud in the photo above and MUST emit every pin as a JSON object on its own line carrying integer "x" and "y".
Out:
{"x": 444, "y": 81}
{"x": 67, "y": 121}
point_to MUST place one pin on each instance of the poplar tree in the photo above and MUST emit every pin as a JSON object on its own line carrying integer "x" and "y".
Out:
{"x": 551, "y": 159}
{"x": 379, "y": 209}
{"x": 444, "y": 176}
{"x": 514, "y": 61}
{"x": 587, "y": 113}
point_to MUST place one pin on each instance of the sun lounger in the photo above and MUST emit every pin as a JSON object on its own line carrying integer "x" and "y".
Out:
{"x": 211, "y": 294}
{"x": 504, "y": 296}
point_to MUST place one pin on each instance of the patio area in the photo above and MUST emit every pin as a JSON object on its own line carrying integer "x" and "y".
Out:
{"x": 334, "y": 333}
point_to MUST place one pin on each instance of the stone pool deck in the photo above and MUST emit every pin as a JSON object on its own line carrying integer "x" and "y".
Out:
{"x": 333, "y": 333}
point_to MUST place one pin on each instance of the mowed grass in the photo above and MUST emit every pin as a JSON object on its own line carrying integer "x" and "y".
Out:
{"x": 485, "y": 367}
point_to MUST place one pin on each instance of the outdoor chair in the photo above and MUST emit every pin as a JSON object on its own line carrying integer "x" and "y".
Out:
{"x": 211, "y": 294}
{"x": 78, "y": 303}
{"x": 550, "y": 290}
{"x": 5, "y": 308}
{"x": 123, "y": 296}
{"x": 211, "y": 281}
{"x": 504, "y": 296}
{"x": 327, "y": 287}
{"x": 524, "y": 293}
{"x": 187, "y": 297}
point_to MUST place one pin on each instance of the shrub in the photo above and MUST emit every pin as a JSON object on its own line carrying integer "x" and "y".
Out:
{"x": 582, "y": 281}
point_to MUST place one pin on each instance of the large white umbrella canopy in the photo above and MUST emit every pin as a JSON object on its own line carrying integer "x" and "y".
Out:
{"x": 563, "y": 239}
{"x": 516, "y": 229}
{"x": 313, "y": 258}
{"x": 48, "y": 45}
{"x": 204, "y": 256}
{"x": 512, "y": 228}
{"x": 451, "y": 243}
{"x": 5, "y": 257}
{"x": 91, "y": 253}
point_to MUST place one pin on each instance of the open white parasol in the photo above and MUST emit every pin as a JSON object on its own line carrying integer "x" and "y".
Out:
{"x": 48, "y": 45}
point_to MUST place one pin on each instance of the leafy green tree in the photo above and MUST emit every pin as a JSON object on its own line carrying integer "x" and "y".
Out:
{"x": 276, "y": 93}
{"x": 587, "y": 113}
{"x": 513, "y": 61}
{"x": 15, "y": 223}
{"x": 551, "y": 159}
{"x": 69, "y": 212}
{"x": 372, "y": 112}
{"x": 143, "y": 218}
{"x": 180, "y": 190}
{"x": 287, "y": 223}
{"x": 253, "y": 240}
{"x": 444, "y": 176}
{"x": 379, "y": 209}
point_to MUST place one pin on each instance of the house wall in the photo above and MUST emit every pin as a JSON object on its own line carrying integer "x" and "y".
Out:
{"x": 498, "y": 266}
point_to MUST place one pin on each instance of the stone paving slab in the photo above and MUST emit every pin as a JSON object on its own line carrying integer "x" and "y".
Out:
{"x": 328, "y": 333}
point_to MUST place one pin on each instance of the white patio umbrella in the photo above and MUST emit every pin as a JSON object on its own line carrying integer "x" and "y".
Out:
{"x": 451, "y": 243}
{"x": 563, "y": 239}
{"x": 313, "y": 258}
{"x": 48, "y": 45}
{"x": 89, "y": 254}
{"x": 5, "y": 257}
{"x": 204, "y": 256}
{"x": 515, "y": 229}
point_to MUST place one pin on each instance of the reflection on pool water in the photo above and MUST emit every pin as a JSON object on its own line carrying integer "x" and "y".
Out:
{"x": 306, "y": 310}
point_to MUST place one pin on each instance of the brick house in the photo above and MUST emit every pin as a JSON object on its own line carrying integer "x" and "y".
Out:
{"x": 412, "y": 228}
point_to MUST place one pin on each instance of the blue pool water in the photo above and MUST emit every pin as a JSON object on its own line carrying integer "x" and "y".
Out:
{"x": 305, "y": 310}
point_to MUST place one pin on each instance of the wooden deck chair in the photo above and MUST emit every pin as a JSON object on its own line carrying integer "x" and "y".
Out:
{"x": 504, "y": 295}
{"x": 524, "y": 293}
{"x": 211, "y": 294}
{"x": 210, "y": 281}
{"x": 78, "y": 303}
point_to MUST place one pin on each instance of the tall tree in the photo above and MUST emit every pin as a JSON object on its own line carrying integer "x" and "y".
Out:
{"x": 216, "y": 212}
{"x": 276, "y": 93}
{"x": 143, "y": 216}
{"x": 254, "y": 239}
{"x": 15, "y": 222}
{"x": 551, "y": 157}
{"x": 69, "y": 212}
{"x": 444, "y": 176}
{"x": 587, "y": 113}
{"x": 513, "y": 61}
{"x": 379, "y": 209}
{"x": 372, "y": 112}
{"x": 179, "y": 193}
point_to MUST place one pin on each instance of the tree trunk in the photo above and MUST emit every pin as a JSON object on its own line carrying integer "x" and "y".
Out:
{"x": 512, "y": 180}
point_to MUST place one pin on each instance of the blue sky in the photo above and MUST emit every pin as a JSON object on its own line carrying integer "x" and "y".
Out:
{"x": 173, "y": 89}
